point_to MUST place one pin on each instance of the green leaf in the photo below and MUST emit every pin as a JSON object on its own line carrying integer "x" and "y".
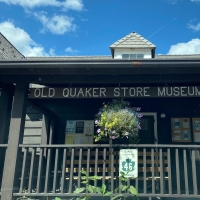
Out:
{"x": 107, "y": 194}
{"x": 116, "y": 190}
{"x": 115, "y": 197}
{"x": 122, "y": 173}
{"x": 87, "y": 197}
{"x": 124, "y": 187}
{"x": 133, "y": 190}
{"x": 83, "y": 177}
{"x": 84, "y": 182}
{"x": 90, "y": 189}
{"x": 78, "y": 190}
{"x": 57, "y": 198}
{"x": 123, "y": 179}
{"x": 103, "y": 188}
{"x": 98, "y": 190}
{"x": 84, "y": 172}
{"x": 93, "y": 178}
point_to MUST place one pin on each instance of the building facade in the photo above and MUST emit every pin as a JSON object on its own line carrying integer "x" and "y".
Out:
{"x": 41, "y": 95}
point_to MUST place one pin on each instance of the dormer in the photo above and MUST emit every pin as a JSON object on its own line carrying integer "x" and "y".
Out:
{"x": 133, "y": 46}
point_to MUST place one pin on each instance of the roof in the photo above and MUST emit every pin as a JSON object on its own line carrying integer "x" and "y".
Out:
{"x": 70, "y": 58}
{"x": 7, "y": 50}
{"x": 109, "y": 57}
{"x": 133, "y": 40}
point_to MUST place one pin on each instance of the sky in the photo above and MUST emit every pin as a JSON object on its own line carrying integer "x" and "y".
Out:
{"x": 89, "y": 27}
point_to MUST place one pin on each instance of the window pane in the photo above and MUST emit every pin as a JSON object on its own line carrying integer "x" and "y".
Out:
{"x": 132, "y": 56}
{"x": 125, "y": 56}
{"x": 140, "y": 55}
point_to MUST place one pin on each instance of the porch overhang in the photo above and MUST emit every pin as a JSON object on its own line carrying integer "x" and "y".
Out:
{"x": 60, "y": 71}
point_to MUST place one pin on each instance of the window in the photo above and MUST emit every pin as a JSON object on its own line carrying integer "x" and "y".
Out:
{"x": 132, "y": 56}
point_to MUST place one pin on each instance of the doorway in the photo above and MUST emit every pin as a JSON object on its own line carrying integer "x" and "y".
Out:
{"x": 148, "y": 132}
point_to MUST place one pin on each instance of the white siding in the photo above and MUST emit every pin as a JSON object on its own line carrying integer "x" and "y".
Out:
{"x": 118, "y": 52}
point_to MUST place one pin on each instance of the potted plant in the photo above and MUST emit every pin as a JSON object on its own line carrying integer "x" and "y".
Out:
{"x": 117, "y": 120}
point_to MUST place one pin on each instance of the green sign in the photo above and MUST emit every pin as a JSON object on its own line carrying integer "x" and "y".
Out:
{"x": 128, "y": 165}
{"x": 128, "y": 162}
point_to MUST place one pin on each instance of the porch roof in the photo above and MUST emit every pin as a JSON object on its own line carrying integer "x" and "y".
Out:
{"x": 62, "y": 70}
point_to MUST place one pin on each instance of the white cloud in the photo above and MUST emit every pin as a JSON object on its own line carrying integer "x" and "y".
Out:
{"x": 73, "y": 4}
{"x": 171, "y": 1}
{"x": 67, "y": 4}
{"x": 70, "y": 50}
{"x": 58, "y": 24}
{"x": 52, "y": 52}
{"x": 195, "y": 0}
{"x": 22, "y": 40}
{"x": 191, "y": 47}
{"x": 194, "y": 27}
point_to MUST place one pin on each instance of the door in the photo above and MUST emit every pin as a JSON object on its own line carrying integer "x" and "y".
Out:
{"x": 148, "y": 132}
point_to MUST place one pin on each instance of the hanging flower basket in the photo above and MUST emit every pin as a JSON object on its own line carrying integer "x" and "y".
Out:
{"x": 117, "y": 120}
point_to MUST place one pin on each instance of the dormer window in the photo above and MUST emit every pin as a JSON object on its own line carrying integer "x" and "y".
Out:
{"x": 132, "y": 56}
{"x": 133, "y": 46}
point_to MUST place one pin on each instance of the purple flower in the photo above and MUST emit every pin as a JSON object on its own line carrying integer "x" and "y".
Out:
{"x": 113, "y": 137}
{"x": 139, "y": 127}
{"x": 140, "y": 115}
{"x": 96, "y": 122}
{"x": 99, "y": 130}
{"x": 138, "y": 108}
{"x": 126, "y": 133}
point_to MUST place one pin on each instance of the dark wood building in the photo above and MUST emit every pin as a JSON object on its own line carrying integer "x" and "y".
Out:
{"x": 39, "y": 95}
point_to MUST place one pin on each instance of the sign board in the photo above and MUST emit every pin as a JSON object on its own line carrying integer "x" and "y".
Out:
{"x": 79, "y": 132}
{"x": 113, "y": 92}
{"x": 128, "y": 162}
{"x": 196, "y": 129}
{"x": 181, "y": 131}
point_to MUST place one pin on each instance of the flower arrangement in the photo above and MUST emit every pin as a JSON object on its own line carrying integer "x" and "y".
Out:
{"x": 118, "y": 120}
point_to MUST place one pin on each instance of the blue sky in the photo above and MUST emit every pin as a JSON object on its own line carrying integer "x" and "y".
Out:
{"x": 89, "y": 27}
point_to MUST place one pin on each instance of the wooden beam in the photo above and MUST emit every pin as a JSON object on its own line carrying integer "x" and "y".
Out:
{"x": 5, "y": 108}
{"x": 45, "y": 132}
{"x": 11, "y": 166}
{"x": 106, "y": 79}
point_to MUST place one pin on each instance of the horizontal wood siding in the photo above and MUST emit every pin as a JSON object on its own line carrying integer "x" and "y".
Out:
{"x": 33, "y": 126}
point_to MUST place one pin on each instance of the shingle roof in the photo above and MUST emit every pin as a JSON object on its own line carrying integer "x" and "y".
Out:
{"x": 133, "y": 40}
{"x": 109, "y": 57}
{"x": 8, "y": 51}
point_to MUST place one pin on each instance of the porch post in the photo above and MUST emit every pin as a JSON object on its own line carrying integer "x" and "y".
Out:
{"x": 45, "y": 129}
{"x": 5, "y": 108}
{"x": 15, "y": 138}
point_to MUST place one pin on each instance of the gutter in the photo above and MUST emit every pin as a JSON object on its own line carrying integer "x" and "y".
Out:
{"x": 99, "y": 63}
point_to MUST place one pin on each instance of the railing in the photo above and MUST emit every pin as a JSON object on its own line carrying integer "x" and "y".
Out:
{"x": 2, "y": 157}
{"x": 164, "y": 170}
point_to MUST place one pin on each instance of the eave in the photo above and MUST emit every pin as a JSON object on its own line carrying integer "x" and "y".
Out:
{"x": 100, "y": 71}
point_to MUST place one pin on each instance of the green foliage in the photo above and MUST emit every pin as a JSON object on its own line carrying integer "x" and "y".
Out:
{"x": 103, "y": 190}
{"x": 86, "y": 182}
{"x": 86, "y": 179}
{"x": 117, "y": 120}
{"x": 124, "y": 188}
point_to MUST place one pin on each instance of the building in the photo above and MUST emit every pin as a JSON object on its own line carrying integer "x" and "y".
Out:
{"x": 40, "y": 94}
